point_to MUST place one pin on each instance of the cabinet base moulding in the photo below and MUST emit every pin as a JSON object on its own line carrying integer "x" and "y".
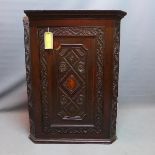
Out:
{"x": 72, "y": 141}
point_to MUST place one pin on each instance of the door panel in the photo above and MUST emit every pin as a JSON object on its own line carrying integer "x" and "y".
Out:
{"x": 72, "y": 81}
{"x": 72, "y": 98}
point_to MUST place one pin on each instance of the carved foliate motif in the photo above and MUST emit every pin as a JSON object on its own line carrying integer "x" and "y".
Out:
{"x": 71, "y": 83}
{"x": 63, "y": 66}
{"x": 116, "y": 38}
{"x": 28, "y": 72}
{"x": 73, "y": 106}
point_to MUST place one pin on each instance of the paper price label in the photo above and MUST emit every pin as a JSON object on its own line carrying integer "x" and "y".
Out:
{"x": 48, "y": 40}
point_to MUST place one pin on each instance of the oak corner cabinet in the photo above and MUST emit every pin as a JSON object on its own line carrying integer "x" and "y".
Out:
{"x": 73, "y": 86}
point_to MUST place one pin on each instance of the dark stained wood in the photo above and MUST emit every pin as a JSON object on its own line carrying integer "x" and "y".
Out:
{"x": 73, "y": 88}
{"x": 59, "y": 14}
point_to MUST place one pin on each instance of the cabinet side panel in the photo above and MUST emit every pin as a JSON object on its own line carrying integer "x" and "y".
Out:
{"x": 28, "y": 72}
{"x": 116, "y": 45}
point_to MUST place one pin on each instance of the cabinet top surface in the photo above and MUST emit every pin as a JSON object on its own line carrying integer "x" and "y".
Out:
{"x": 111, "y": 14}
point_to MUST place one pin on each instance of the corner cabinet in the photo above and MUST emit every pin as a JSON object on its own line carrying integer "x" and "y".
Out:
{"x": 73, "y": 86}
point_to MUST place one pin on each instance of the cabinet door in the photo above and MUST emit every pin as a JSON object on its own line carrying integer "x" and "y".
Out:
{"x": 72, "y": 82}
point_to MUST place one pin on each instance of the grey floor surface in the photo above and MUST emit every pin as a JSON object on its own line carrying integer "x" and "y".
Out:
{"x": 135, "y": 131}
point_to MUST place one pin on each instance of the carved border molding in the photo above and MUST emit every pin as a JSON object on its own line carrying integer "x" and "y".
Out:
{"x": 116, "y": 38}
{"x": 98, "y": 33}
{"x": 28, "y": 72}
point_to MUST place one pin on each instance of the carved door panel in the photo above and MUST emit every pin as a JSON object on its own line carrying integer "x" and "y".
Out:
{"x": 72, "y": 82}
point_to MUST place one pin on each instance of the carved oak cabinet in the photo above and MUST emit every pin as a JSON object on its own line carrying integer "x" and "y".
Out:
{"x": 72, "y": 87}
